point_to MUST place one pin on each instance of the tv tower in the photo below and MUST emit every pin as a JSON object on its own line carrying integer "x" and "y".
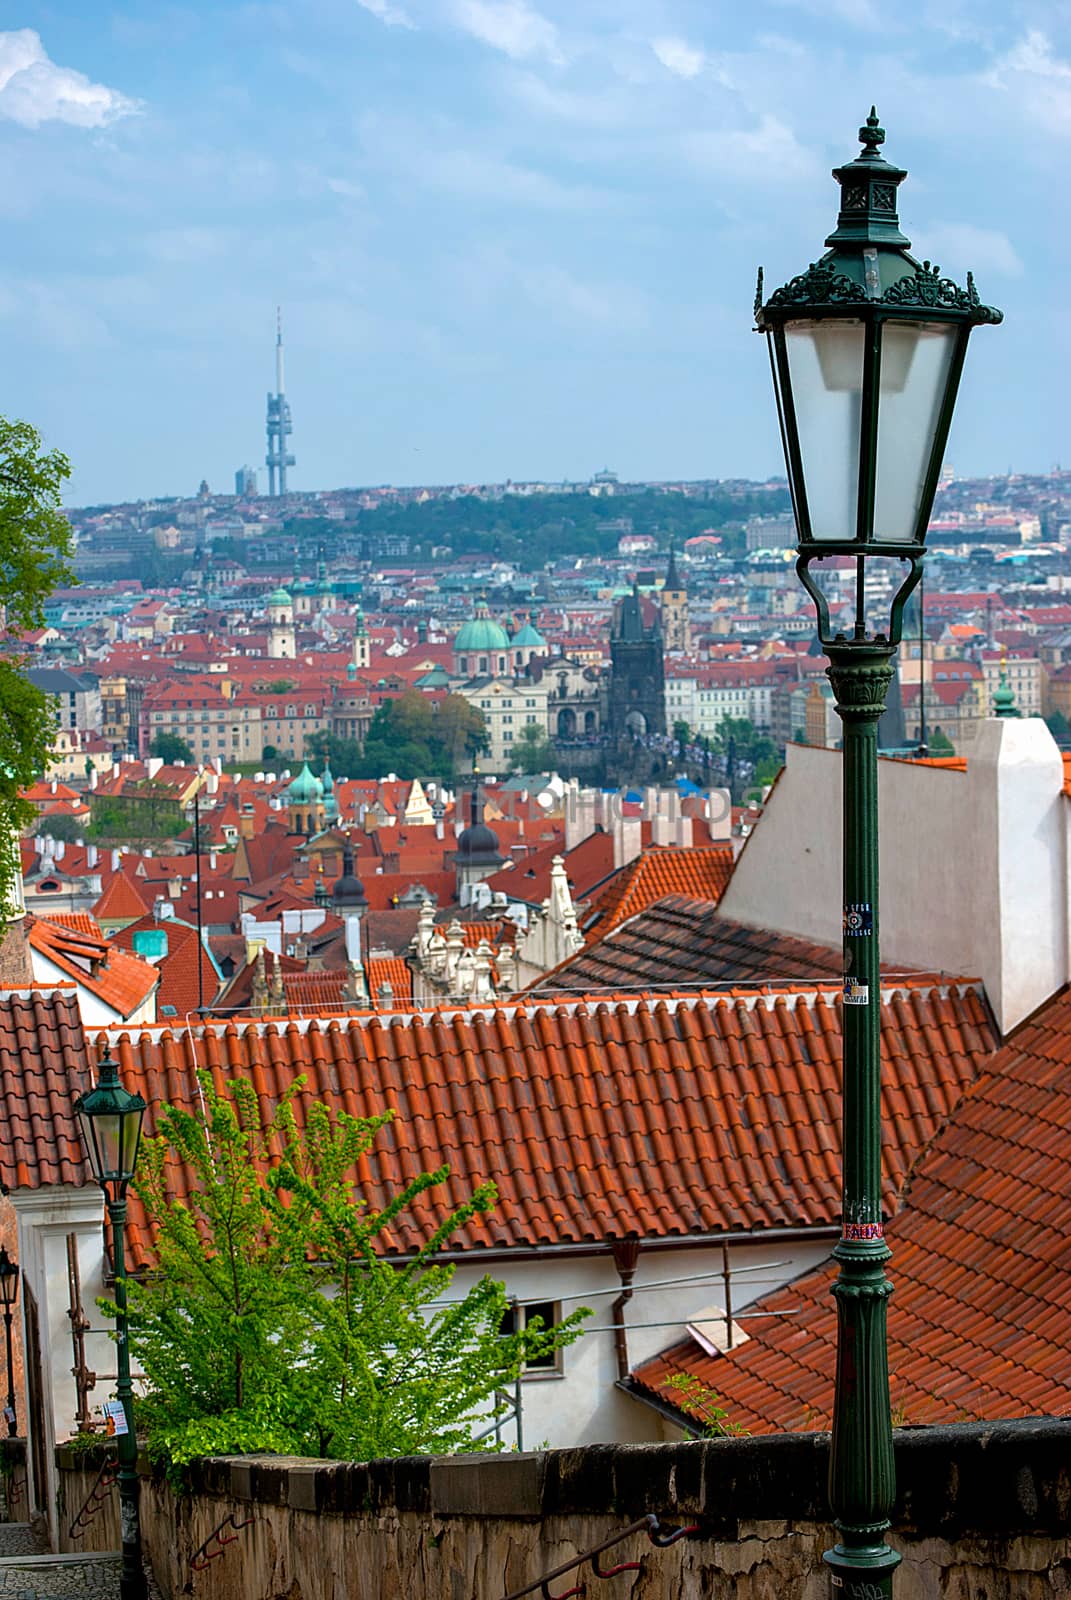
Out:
{"x": 279, "y": 423}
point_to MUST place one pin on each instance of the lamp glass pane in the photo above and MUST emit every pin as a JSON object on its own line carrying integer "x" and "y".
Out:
{"x": 825, "y": 361}
{"x": 916, "y": 359}
{"x": 105, "y": 1133}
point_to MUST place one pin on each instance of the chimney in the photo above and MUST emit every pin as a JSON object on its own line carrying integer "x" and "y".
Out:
{"x": 628, "y": 840}
{"x": 720, "y": 814}
{"x": 115, "y": 861}
{"x": 211, "y": 861}
{"x": 91, "y": 855}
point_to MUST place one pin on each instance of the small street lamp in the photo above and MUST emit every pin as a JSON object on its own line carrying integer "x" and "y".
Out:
{"x": 866, "y": 348}
{"x": 9, "y": 1294}
{"x": 111, "y": 1119}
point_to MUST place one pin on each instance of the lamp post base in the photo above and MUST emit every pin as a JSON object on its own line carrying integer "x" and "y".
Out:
{"x": 861, "y": 1573}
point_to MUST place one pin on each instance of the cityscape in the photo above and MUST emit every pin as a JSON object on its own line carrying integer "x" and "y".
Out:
{"x": 534, "y": 1012}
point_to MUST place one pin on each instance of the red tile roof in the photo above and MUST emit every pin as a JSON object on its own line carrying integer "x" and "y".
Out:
{"x": 701, "y": 873}
{"x": 44, "y": 1066}
{"x": 121, "y": 981}
{"x": 980, "y": 1319}
{"x": 121, "y": 901}
{"x": 178, "y": 969}
{"x": 672, "y": 1118}
{"x": 397, "y": 973}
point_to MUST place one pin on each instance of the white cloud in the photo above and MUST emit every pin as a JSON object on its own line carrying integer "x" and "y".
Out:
{"x": 1039, "y": 80}
{"x": 34, "y": 89}
{"x": 769, "y": 152}
{"x": 678, "y": 56}
{"x": 392, "y": 15}
{"x": 510, "y": 26}
{"x": 571, "y": 300}
{"x": 962, "y": 245}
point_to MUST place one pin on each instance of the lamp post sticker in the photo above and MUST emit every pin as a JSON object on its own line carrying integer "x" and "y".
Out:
{"x": 114, "y": 1418}
{"x": 856, "y": 993}
{"x": 858, "y": 920}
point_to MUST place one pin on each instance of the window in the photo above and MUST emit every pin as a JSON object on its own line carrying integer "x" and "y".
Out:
{"x": 549, "y": 1313}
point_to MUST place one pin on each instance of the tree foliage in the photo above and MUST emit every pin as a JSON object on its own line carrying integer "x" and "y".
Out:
{"x": 533, "y": 751}
{"x": 533, "y": 529}
{"x": 35, "y": 546}
{"x": 276, "y": 1322}
{"x": 410, "y": 737}
{"x": 170, "y": 747}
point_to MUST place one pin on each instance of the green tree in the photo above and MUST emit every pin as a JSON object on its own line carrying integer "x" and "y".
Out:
{"x": 273, "y": 1320}
{"x": 170, "y": 747}
{"x": 1059, "y": 727}
{"x": 35, "y": 547}
{"x": 682, "y": 732}
{"x": 940, "y": 744}
{"x": 533, "y": 751}
{"x": 460, "y": 733}
{"x": 64, "y": 828}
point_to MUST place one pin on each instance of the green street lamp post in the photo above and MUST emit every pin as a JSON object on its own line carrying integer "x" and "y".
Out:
{"x": 866, "y": 348}
{"x": 111, "y": 1119}
{"x": 9, "y": 1294}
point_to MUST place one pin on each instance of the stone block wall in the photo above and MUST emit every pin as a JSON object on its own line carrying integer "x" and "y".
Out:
{"x": 983, "y": 1513}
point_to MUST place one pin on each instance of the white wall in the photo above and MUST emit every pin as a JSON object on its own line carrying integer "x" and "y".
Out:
{"x": 582, "y": 1406}
{"x": 973, "y": 865}
{"x": 45, "y": 1217}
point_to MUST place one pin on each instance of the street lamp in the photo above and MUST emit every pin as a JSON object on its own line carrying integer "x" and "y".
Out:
{"x": 111, "y": 1119}
{"x": 866, "y": 348}
{"x": 9, "y": 1294}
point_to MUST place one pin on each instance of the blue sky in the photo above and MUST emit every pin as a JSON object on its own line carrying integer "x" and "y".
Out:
{"x": 511, "y": 238}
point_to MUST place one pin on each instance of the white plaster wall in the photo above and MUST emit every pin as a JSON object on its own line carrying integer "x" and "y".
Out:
{"x": 582, "y": 1406}
{"x": 45, "y": 1217}
{"x": 973, "y": 865}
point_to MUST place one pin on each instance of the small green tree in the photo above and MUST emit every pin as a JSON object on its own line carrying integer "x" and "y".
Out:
{"x": 170, "y": 747}
{"x": 533, "y": 751}
{"x": 682, "y": 732}
{"x": 276, "y": 1322}
{"x": 705, "y": 1405}
{"x": 940, "y": 744}
{"x": 35, "y": 546}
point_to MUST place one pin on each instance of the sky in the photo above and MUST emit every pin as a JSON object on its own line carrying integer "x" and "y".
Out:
{"x": 511, "y": 238}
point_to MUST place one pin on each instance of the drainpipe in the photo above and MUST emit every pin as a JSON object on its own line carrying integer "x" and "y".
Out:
{"x": 626, "y": 1253}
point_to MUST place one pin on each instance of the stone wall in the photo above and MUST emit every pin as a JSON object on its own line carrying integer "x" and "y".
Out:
{"x": 983, "y": 1513}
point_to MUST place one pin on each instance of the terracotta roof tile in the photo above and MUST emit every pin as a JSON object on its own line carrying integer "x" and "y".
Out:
{"x": 121, "y": 901}
{"x": 123, "y": 982}
{"x": 980, "y": 1320}
{"x": 700, "y": 873}
{"x": 665, "y": 1118}
{"x": 44, "y": 1066}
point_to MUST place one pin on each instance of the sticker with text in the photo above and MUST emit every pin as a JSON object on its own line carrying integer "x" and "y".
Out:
{"x": 858, "y": 920}
{"x": 856, "y": 993}
{"x": 862, "y": 1231}
{"x": 114, "y": 1418}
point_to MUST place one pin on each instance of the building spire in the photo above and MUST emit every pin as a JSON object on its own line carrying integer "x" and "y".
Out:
{"x": 1003, "y": 696}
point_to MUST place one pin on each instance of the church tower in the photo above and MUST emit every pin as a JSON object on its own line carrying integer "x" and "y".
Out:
{"x": 637, "y": 678}
{"x": 361, "y": 659}
{"x": 282, "y": 643}
{"x": 676, "y": 628}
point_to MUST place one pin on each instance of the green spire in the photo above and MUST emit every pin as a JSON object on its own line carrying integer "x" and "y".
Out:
{"x": 1003, "y": 697}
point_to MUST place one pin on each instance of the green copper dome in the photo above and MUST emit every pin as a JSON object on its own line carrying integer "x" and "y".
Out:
{"x": 279, "y": 597}
{"x": 481, "y": 633}
{"x": 529, "y": 638}
{"x": 305, "y": 788}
